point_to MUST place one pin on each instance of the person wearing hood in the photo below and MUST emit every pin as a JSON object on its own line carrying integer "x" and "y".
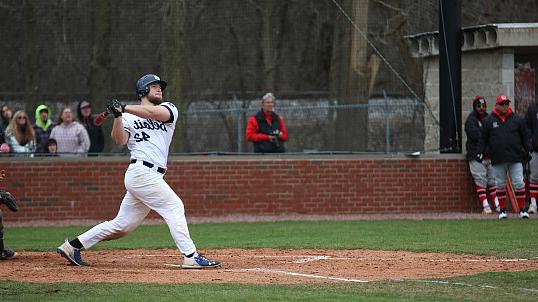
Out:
{"x": 42, "y": 128}
{"x": 71, "y": 136}
{"x": 97, "y": 137}
{"x": 506, "y": 140}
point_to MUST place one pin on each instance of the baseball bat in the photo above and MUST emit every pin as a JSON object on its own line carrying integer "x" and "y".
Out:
{"x": 512, "y": 195}
{"x": 100, "y": 118}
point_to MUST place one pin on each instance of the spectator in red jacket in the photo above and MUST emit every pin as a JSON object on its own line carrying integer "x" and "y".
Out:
{"x": 266, "y": 129}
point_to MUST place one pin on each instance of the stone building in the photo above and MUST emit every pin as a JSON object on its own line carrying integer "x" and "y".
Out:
{"x": 496, "y": 59}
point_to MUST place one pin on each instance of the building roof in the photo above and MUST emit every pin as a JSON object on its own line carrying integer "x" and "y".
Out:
{"x": 478, "y": 37}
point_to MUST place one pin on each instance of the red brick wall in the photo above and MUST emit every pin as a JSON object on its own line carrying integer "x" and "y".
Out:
{"x": 216, "y": 186}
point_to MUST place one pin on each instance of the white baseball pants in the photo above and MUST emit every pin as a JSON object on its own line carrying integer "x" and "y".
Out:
{"x": 146, "y": 190}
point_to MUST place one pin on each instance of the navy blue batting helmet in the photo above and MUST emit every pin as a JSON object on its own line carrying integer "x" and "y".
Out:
{"x": 142, "y": 85}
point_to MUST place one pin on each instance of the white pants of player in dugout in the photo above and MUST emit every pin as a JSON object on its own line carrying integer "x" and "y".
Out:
{"x": 482, "y": 173}
{"x": 514, "y": 170}
{"x": 146, "y": 190}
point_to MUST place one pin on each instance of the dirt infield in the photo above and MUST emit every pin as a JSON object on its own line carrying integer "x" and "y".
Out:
{"x": 256, "y": 266}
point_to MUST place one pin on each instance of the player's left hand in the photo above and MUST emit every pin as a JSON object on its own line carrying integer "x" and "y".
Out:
{"x": 115, "y": 107}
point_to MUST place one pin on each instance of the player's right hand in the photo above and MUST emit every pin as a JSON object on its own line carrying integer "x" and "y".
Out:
{"x": 479, "y": 157}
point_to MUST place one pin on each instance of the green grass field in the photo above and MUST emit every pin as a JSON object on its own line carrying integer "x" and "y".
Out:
{"x": 513, "y": 238}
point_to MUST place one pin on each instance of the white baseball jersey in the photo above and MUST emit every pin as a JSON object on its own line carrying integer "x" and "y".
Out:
{"x": 150, "y": 140}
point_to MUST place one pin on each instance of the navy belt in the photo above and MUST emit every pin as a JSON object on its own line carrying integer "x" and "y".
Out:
{"x": 150, "y": 165}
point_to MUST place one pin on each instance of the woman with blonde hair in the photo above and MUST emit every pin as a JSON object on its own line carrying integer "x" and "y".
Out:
{"x": 19, "y": 134}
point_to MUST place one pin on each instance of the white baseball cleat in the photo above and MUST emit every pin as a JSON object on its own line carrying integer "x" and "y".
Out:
{"x": 502, "y": 214}
{"x": 486, "y": 210}
{"x": 70, "y": 253}
{"x": 198, "y": 262}
{"x": 523, "y": 214}
{"x": 532, "y": 209}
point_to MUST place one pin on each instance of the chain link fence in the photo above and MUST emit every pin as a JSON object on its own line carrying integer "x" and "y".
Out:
{"x": 393, "y": 125}
{"x": 368, "y": 92}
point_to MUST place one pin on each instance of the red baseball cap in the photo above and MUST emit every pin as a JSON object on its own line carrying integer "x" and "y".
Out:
{"x": 502, "y": 98}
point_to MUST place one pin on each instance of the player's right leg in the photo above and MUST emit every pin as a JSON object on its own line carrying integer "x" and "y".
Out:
{"x": 500, "y": 171}
{"x": 131, "y": 214}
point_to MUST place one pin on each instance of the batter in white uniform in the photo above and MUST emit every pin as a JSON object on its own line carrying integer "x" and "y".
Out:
{"x": 147, "y": 129}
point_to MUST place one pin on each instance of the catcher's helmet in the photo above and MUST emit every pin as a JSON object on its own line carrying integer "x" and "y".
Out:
{"x": 142, "y": 85}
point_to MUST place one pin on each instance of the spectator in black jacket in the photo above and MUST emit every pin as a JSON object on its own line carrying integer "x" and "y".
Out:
{"x": 507, "y": 140}
{"x": 479, "y": 164}
{"x": 97, "y": 138}
{"x": 532, "y": 125}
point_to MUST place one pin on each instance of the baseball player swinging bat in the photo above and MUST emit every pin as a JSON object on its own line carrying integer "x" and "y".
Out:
{"x": 512, "y": 195}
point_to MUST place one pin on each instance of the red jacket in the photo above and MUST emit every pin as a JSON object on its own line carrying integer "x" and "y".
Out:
{"x": 253, "y": 134}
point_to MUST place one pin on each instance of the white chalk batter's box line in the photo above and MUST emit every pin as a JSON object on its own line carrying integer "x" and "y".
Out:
{"x": 309, "y": 258}
{"x": 302, "y": 259}
{"x": 275, "y": 271}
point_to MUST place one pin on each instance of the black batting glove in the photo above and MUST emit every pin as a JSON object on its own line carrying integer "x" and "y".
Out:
{"x": 479, "y": 157}
{"x": 115, "y": 107}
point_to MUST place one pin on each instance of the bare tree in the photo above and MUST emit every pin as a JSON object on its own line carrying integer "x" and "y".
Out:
{"x": 174, "y": 62}
{"x": 100, "y": 77}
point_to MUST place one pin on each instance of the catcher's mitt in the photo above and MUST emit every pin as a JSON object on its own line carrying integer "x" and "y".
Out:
{"x": 8, "y": 199}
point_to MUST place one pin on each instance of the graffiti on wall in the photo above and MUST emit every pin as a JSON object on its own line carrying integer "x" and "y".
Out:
{"x": 524, "y": 88}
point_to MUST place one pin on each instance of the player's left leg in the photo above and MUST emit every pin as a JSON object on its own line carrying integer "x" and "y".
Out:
{"x": 515, "y": 171}
{"x": 479, "y": 172}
